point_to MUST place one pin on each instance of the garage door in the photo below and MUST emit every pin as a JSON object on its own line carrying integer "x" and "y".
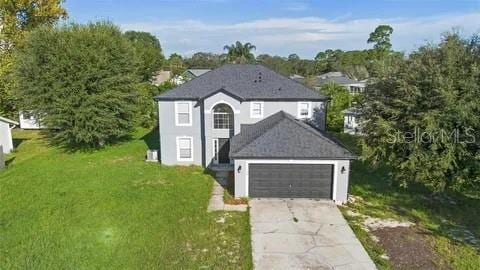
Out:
{"x": 290, "y": 180}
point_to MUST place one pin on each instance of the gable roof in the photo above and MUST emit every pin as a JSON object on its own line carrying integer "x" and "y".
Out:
{"x": 197, "y": 71}
{"x": 6, "y": 120}
{"x": 248, "y": 82}
{"x": 281, "y": 136}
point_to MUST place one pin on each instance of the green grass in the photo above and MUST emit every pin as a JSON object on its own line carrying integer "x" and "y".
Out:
{"x": 445, "y": 215}
{"x": 110, "y": 209}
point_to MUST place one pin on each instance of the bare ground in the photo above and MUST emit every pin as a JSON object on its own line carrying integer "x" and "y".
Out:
{"x": 409, "y": 248}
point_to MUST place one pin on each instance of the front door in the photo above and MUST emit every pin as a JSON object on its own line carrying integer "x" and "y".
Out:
{"x": 223, "y": 150}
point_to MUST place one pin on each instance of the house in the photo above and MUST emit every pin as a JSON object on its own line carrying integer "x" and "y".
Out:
{"x": 6, "y": 141}
{"x": 351, "y": 121}
{"x": 351, "y": 115}
{"x": 268, "y": 130}
{"x": 298, "y": 78}
{"x": 161, "y": 77}
{"x": 28, "y": 120}
{"x": 193, "y": 73}
{"x": 353, "y": 86}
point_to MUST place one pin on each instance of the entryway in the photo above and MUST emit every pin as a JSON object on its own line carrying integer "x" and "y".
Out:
{"x": 221, "y": 148}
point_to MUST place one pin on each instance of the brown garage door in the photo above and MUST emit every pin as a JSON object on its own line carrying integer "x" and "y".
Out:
{"x": 290, "y": 180}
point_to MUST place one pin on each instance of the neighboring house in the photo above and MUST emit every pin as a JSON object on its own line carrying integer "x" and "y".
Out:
{"x": 29, "y": 121}
{"x": 351, "y": 121}
{"x": 351, "y": 115}
{"x": 193, "y": 73}
{"x": 161, "y": 77}
{"x": 298, "y": 78}
{"x": 353, "y": 86}
{"x": 6, "y": 141}
{"x": 253, "y": 121}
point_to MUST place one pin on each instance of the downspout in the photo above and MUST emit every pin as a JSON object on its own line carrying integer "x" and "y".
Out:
{"x": 202, "y": 132}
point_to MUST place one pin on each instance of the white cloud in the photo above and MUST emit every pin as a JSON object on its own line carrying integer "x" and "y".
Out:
{"x": 304, "y": 36}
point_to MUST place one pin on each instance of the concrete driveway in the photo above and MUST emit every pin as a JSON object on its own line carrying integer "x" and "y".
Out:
{"x": 303, "y": 234}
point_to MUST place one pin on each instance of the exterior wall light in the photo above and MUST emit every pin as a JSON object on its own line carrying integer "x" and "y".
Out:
{"x": 343, "y": 170}
{"x": 239, "y": 169}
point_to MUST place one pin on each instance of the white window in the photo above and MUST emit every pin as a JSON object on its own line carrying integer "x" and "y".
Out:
{"x": 222, "y": 117}
{"x": 304, "y": 109}
{"x": 184, "y": 148}
{"x": 256, "y": 109}
{"x": 183, "y": 113}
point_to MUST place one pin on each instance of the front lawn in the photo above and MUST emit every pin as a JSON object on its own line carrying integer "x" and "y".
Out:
{"x": 449, "y": 222}
{"x": 110, "y": 209}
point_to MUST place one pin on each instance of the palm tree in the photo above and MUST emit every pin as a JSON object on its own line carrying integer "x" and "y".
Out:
{"x": 239, "y": 53}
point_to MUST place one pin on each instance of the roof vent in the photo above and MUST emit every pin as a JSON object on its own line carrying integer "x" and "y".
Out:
{"x": 279, "y": 89}
{"x": 259, "y": 76}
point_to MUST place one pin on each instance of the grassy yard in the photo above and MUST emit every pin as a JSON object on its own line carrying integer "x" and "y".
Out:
{"x": 112, "y": 210}
{"x": 451, "y": 220}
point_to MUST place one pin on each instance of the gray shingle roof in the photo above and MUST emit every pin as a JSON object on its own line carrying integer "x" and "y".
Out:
{"x": 339, "y": 80}
{"x": 248, "y": 82}
{"x": 284, "y": 137}
{"x": 198, "y": 71}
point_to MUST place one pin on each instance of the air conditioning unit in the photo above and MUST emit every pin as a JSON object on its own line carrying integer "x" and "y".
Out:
{"x": 152, "y": 155}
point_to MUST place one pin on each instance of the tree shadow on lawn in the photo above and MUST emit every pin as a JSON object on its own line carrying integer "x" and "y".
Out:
{"x": 18, "y": 141}
{"x": 442, "y": 213}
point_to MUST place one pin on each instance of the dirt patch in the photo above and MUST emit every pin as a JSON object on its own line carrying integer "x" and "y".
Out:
{"x": 409, "y": 248}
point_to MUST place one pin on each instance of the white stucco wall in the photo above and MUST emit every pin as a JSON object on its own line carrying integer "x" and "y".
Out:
{"x": 169, "y": 132}
{"x": 340, "y": 180}
{"x": 202, "y": 129}
{"x": 6, "y": 137}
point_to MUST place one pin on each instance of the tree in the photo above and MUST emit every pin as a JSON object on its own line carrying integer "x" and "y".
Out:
{"x": 341, "y": 100}
{"x": 176, "y": 64}
{"x": 240, "y": 53}
{"x": 17, "y": 18}
{"x": 421, "y": 115}
{"x": 204, "y": 60}
{"x": 148, "y": 52}
{"x": 81, "y": 81}
{"x": 381, "y": 38}
{"x": 328, "y": 60}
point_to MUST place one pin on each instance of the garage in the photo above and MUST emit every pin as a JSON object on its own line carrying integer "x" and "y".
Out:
{"x": 290, "y": 181}
{"x": 283, "y": 157}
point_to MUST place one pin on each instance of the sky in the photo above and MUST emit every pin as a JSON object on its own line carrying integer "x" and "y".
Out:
{"x": 282, "y": 27}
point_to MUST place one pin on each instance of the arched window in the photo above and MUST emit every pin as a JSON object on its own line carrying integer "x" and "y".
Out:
{"x": 222, "y": 117}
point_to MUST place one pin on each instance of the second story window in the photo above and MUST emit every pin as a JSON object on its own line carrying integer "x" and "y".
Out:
{"x": 304, "y": 110}
{"x": 183, "y": 113}
{"x": 222, "y": 117}
{"x": 256, "y": 110}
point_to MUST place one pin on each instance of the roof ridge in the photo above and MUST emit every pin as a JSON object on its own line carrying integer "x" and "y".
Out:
{"x": 263, "y": 131}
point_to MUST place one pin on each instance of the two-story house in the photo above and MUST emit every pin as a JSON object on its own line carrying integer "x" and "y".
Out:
{"x": 268, "y": 129}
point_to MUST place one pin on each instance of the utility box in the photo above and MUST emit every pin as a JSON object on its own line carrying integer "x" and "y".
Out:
{"x": 152, "y": 155}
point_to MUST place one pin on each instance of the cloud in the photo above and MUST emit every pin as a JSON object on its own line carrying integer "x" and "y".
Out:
{"x": 304, "y": 36}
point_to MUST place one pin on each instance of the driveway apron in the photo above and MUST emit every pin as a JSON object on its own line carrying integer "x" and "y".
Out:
{"x": 303, "y": 234}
